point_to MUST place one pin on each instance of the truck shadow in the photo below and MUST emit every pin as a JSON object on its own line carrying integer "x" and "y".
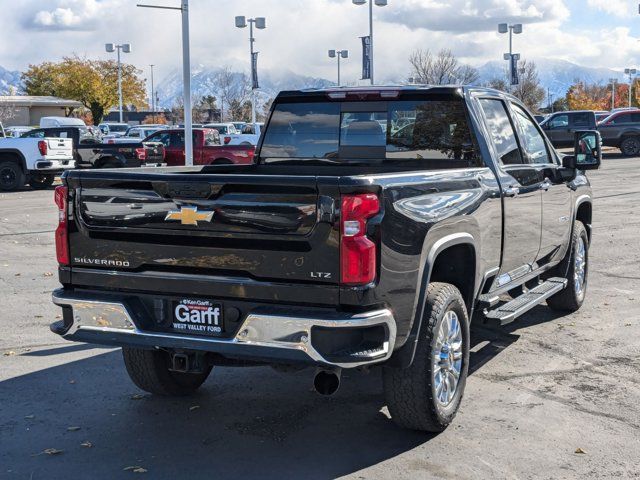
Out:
{"x": 245, "y": 422}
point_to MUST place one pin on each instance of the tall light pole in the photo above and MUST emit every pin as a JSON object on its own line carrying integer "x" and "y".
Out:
{"x": 260, "y": 23}
{"x": 126, "y": 48}
{"x": 153, "y": 98}
{"x": 632, "y": 73}
{"x": 379, "y": 3}
{"x": 512, "y": 57}
{"x": 186, "y": 77}
{"x": 613, "y": 92}
{"x": 339, "y": 54}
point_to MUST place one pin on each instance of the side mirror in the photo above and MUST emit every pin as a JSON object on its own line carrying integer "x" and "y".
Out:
{"x": 587, "y": 150}
{"x": 569, "y": 161}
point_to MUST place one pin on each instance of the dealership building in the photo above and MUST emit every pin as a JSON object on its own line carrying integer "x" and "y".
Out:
{"x": 27, "y": 110}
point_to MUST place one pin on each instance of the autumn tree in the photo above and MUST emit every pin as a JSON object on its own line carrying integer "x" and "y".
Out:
{"x": 585, "y": 96}
{"x": 442, "y": 68}
{"x": 91, "y": 82}
{"x": 155, "y": 119}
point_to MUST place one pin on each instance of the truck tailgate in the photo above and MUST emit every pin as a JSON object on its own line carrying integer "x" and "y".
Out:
{"x": 59, "y": 148}
{"x": 263, "y": 227}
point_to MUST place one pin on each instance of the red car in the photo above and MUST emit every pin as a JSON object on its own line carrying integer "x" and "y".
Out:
{"x": 206, "y": 148}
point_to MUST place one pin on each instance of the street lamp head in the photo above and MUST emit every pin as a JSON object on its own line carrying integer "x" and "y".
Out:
{"x": 359, "y": 2}
{"x": 344, "y": 53}
{"x": 381, "y": 3}
{"x": 109, "y": 47}
{"x": 126, "y": 48}
{"x": 517, "y": 28}
{"x": 261, "y": 22}
{"x": 332, "y": 54}
{"x": 503, "y": 28}
{"x": 241, "y": 22}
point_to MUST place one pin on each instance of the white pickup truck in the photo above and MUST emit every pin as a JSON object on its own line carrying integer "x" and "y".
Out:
{"x": 33, "y": 161}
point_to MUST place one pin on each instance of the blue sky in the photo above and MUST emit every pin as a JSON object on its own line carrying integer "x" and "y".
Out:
{"x": 599, "y": 33}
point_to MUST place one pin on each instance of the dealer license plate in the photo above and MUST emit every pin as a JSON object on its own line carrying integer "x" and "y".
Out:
{"x": 197, "y": 317}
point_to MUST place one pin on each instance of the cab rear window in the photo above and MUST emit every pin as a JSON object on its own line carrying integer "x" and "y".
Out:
{"x": 376, "y": 131}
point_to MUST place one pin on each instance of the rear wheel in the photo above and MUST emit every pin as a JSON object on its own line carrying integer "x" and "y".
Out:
{"x": 11, "y": 176}
{"x": 426, "y": 395}
{"x": 630, "y": 146}
{"x": 575, "y": 268}
{"x": 41, "y": 181}
{"x": 150, "y": 370}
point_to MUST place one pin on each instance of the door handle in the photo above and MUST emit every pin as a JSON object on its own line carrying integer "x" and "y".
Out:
{"x": 511, "y": 191}
{"x": 545, "y": 185}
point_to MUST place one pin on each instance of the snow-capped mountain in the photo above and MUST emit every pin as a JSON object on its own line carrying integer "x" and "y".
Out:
{"x": 556, "y": 75}
{"x": 10, "y": 82}
{"x": 204, "y": 82}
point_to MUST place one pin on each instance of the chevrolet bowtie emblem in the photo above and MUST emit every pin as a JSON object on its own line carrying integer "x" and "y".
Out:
{"x": 189, "y": 216}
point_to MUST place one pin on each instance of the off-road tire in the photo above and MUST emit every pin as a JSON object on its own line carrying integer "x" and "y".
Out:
{"x": 149, "y": 370}
{"x": 41, "y": 181}
{"x": 630, "y": 146}
{"x": 11, "y": 176}
{"x": 568, "y": 299}
{"x": 410, "y": 392}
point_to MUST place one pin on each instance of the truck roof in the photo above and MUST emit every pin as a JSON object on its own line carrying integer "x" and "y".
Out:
{"x": 388, "y": 90}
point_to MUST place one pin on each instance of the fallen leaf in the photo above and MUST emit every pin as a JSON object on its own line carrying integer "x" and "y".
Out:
{"x": 194, "y": 407}
{"x": 48, "y": 274}
{"x": 579, "y": 450}
{"x": 73, "y": 429}
{"x": 86, "y": 444}
{"x": 9, "y": 353}
{"x": 38, "y": 316}
{"x": 627, "y": 324}
{"x": 72, "y": 381}
{"x": 140, "y": 470}
{"x": 29, "y": 417}
{"x": 137, "y": 396}
{"x": 17, "y": 275}
{"x": 52, "y": 451}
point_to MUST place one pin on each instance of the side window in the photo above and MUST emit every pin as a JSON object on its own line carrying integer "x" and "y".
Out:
{"x": 211, "y": 138}
{"x": 177, "y": 139}
{"x": 622, "y": 118}
{"x": 164, "y": 138}
{"x": 581, "y": 120}
{"x": 561, "y": 121}
{"x": 34, "y": 134}
{"x": 501, "y": 131}
{"x": 532, "y": 141}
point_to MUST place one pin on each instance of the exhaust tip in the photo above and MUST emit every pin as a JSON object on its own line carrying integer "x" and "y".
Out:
{"x": 327, "y": 382}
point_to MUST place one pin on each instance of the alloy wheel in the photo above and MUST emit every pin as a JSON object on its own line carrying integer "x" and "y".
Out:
{"x": 447, "y": 359}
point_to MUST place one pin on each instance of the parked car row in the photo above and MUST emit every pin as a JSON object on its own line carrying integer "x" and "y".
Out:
{"x": 619, "y": 128}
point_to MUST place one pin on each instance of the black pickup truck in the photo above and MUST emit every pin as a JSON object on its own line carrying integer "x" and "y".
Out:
{"x": 90, "y": 152}
{"x": 560, "y": 127}
{"x": 373, "y": 226}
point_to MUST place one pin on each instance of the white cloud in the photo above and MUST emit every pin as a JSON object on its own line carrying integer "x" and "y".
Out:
{"x": 70, "y": 15}
{"x": 299, "y": 33}
{"x": 619, "y": 8}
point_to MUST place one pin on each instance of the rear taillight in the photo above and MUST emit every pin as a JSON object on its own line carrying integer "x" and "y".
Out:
{"x": 141, "y": 153}
{"x": 62, "y": 232}
{"x": 42, "y": 147}
{"x": 227, "y": 140}
{"x": 357, "y": 251}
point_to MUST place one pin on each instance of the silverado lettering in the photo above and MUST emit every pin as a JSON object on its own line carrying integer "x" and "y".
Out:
{"x": 373, "y": 226}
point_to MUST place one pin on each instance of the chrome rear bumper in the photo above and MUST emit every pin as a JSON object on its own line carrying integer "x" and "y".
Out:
{"x": 285, "y": 335}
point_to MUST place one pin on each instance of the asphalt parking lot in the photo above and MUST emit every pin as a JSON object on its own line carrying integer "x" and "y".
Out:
{"x": 549, "y": 396}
